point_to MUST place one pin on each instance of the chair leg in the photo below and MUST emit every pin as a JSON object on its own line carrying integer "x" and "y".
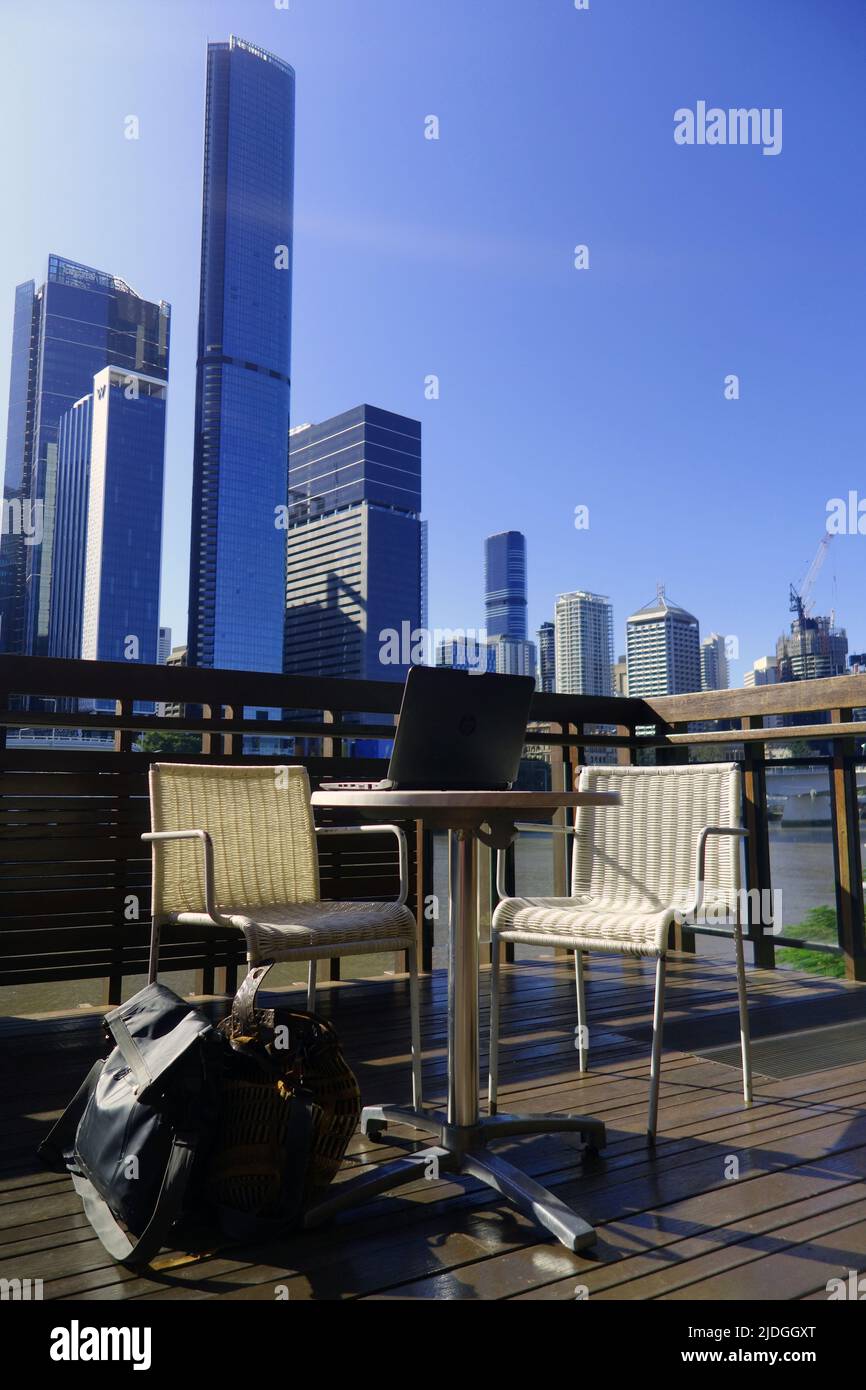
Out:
{"x": 582, "y": 1028}
{"x": 153, "y": 961}
{"x": 493, "y": 1063}
{"x": 745, "y": 1039}
{"x": 311, "y": 987}
{"x": 415, "y": 1026}
{"x": 655, "y": 1064}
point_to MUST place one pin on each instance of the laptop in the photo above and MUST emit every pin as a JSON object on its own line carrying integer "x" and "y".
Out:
{"x": 457, "y": 732}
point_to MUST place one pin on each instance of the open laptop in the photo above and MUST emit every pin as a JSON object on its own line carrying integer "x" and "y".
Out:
{"x": 457, "y": 731}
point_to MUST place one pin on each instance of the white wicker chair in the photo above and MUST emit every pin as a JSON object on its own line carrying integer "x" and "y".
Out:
{"x": 669, "y": 851}
{"x": 236, "y": 847}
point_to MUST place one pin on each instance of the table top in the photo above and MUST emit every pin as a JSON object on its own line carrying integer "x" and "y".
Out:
{"x": 460, "y": 809}
{"x": 503, "y": 801}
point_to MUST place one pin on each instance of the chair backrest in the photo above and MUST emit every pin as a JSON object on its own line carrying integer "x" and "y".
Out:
{"x": 643, "y": 851}
{"x": 261, "y": 823}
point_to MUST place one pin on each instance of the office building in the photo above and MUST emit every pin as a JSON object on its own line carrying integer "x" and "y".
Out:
{"x": 546, "y": 678}
{"x": 663, "y": 649}
{"x": 620, "y": 676}
{"x": 355, "y": 572}
{"x": 765, "y": 671}
{"x": 584, "y": 643}
{"x": 120, "y": 619}
{"x": 814, "y": 648}
{"x": 466, "y": 652}
{"x": 163, "y": 646}
{"x": 715, "y": 674}
{"x": 512, "y": 657}
{"x": 78, "y": 322}
{"x": 505, "y": 585}
{"x": 238, "y": 549}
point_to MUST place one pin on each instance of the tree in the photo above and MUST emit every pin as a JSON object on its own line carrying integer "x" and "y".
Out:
{"x": 168, "y": 741}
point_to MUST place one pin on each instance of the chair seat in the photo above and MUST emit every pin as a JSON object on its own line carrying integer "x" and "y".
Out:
{"x": 297, "y": 930}
{"x": 632, "y": 928}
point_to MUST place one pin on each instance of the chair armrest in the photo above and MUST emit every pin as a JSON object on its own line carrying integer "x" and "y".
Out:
{"x": 526, "y": 827}
{"x": 373, "y": 830}
{"x": 701, "y": 855}
{"x": 157, "y": 837}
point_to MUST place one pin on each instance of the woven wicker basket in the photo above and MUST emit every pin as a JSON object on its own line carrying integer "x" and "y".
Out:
{"x": 247, "y": 1167}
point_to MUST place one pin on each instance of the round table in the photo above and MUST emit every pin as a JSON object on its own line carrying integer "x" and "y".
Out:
{"x": 461, "y": 1134}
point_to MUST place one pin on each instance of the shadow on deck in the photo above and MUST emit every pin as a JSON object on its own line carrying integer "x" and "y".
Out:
{"x": 732, "y": 1204}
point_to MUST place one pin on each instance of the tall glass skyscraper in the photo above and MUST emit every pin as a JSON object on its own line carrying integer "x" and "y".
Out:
{"x": 355, "y": 576}
{"x": 238, "y": 551}
{"x": 120, "y": 619}
{"x": 80, "y": 321}
{"x": 505, "y": 584}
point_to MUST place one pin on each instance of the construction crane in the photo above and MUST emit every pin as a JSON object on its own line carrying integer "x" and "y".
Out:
{"x": 801, "y": 602}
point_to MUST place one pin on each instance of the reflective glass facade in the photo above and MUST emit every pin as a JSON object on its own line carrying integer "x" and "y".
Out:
{"x": 356, "y": 555}
{"x": 505, "y": 584}
{"x": 70, "y": 528}
{"x": 80, "y": 321}
{"x": 124, "y": 519}
{"x": 238, "y": 553}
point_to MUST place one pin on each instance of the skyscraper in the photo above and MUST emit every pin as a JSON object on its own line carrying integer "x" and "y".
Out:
{"x": 714, "y": 663}
{"x": 120, "y": 620}
{"x": 505, "y": 584}
{"x": 238, "y": 549}
{"x": 584, "y": 644}
{"x": 78, "y": 322}
{"x": 663, "y": 649}
{"x": 355, "y": 570}
{"x": 547, "y": 657}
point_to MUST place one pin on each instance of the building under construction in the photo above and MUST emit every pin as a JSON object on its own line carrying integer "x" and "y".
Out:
{"x": 814, "y": 648}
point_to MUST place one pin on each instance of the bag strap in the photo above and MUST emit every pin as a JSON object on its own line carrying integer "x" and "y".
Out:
{"x": 129, "y": 1052}
{"x": 60, "y": 1139}
{"x": 243, "y": 1006}
{"x": 168, "y": 1207}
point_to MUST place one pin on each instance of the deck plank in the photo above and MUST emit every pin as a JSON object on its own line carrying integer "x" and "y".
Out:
{"x": 670, "y": 1224}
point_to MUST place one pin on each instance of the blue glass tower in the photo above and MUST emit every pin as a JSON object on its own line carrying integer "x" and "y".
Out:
{"x": 505, "y": 584}
{"x": 238, "y": 550}
{"x": 356, "y": 557}
{"x": 78, "y": 322}
{"x": 120, "y": 612}
{"x": 74, "y": 436}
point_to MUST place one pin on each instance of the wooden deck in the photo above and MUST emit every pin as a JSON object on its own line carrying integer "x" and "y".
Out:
{"x": 672, "y": 1224}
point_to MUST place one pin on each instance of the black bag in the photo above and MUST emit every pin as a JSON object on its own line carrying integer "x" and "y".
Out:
{"x": 142, "y": 1121}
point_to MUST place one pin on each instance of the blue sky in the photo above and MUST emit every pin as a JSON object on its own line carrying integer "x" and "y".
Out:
{"x": 454, "y": 257}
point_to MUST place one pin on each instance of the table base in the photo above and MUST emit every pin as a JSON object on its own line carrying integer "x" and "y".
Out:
{"x": 461, "y": 1150}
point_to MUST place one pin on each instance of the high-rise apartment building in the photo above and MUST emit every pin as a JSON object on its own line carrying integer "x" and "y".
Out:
{"x": 715, "y": 673}
{"x": 584, "y": 643}
{"x": 77, "y": 323}
{"x": 505, "y": 585}
{"x": 546, "y": 678}
{"x": 355, "y": 572}
{"x": 663, "y": 649}
{"x": 238, "y": 548}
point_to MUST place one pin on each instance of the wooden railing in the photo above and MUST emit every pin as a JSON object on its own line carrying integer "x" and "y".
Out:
{"x": 75, "y": 880}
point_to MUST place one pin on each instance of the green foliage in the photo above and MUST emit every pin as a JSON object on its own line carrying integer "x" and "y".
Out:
{"x": 167, "y": 741}
{"x": 819, "y": 924}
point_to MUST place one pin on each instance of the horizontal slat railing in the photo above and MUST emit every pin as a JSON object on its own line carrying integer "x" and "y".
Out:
{"x": 74, "y": 883}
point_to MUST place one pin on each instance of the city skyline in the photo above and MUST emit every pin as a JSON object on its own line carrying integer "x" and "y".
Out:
{"x": 622, "y": 547}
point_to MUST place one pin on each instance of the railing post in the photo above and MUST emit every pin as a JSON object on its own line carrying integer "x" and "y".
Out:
{"x": 846, "y": 851}
{"x": 758, "y": 842}
{"x": 123, "y": 740}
